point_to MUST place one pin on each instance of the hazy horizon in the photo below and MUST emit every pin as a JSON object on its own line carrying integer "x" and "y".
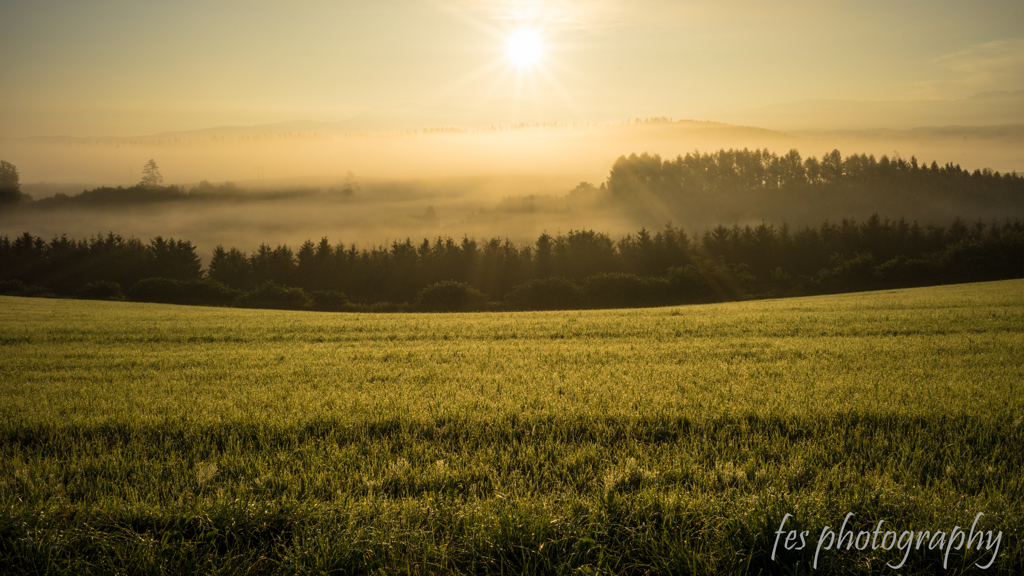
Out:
{"x": 302, "y": 152}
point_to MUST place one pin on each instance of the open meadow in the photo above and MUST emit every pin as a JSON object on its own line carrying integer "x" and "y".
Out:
{"x": 149, "y": 439}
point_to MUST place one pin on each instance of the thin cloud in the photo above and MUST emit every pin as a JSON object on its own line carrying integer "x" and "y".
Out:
{"x": 995, "y": 65}
{"x": 992, "y": 66}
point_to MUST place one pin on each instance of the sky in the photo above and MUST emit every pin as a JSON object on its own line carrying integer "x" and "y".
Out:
{"x": 120, "y": 68}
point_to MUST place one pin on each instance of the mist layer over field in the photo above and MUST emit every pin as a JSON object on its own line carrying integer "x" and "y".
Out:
{"x": 376, "y": 212}
{"x": 302, "y": 181}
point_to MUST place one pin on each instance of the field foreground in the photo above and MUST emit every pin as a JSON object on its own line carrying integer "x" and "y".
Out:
{"x": 140, "y": 438}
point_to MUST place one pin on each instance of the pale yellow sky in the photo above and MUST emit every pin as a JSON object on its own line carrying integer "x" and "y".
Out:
{"x": 97, "y": 68}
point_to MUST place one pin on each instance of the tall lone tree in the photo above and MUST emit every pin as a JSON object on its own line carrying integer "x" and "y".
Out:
{"x": 10, "y": 187}
{"x": 151, "y": 176}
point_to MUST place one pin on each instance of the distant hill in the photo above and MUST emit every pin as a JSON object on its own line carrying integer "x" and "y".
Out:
{"x": 305, "y": 128}
{"x": 1009, "y": 133}
{"x": 983, "y": 109}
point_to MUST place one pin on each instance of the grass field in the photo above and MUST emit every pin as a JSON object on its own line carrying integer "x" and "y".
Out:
{"x": 139, "y": 438}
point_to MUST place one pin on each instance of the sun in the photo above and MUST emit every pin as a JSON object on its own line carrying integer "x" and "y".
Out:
{"x": 525, "y": 48}
{"x": 526, "y": 69}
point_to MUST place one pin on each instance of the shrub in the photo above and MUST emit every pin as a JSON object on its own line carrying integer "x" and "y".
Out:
{"x": 193, "y": 292}
{"x": 378, "y": 307}
{"x": 449, "y": 296}
{"x": 19, "y": 288}
{"x": 210, "y": 292}
{"x": 982, "y": 260}
{"x": 658, "y": 292}
{"x": 270, "y": 295}
{"x": 615, "y": 290}
{"x": 781, "y": 282}
{"x": 690, "y": 285}
{"x": 162, "y": 290}
{"x": 38, "y": 292}
{"x": 545, "y": 294}
{"x": 329, "y": 301}
{"x": 11, "y": 287}
{"x": 102, "y": 290}
{"x": 902, "y": 272}
{"x": 853, "y": 275}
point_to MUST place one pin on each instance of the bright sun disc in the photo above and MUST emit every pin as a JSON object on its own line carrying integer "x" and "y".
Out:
{"x": 524, "y": 48}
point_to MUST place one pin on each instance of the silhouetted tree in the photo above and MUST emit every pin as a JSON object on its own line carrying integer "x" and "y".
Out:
{"x": 174, "y": 259}
{"x": 232, "y": 268}
{"x": 275, "y": 265}
{"x": 151, "y": 177}
{"x": 543, "y": 257}
{"x": 10, "y": 186}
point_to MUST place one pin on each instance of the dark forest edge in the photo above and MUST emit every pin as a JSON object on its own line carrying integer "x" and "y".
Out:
{"x": 578, "y": 270}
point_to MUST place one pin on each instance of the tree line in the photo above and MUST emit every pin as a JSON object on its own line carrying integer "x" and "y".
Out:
{"x": 730, "y": 185}
{"x": 149, "y": 190}
{"x": 579, "y": 269}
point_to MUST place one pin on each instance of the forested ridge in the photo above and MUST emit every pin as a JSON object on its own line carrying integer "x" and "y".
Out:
{"x": 732, "y": 185}
{"x": 579, "y": 269}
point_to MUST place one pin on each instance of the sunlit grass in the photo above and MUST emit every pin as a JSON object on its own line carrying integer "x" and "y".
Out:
{"x": 650, "y": 440}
